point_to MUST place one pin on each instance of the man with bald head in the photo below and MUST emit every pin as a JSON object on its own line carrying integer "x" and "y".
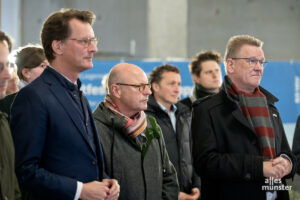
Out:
{"x": 133, "y": 146}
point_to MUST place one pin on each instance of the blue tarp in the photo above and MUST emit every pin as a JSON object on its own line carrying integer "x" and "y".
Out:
{"x": 280, "y": 78}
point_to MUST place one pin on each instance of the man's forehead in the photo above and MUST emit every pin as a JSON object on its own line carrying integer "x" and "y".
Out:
{"x": 80, "y": 29}
{"x": 4, "y": 52}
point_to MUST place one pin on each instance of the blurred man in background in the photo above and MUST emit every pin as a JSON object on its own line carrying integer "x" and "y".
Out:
{"x": 174, "y": 119}
{"x": 9, "y": 188}
{"x": 206, "y": 74}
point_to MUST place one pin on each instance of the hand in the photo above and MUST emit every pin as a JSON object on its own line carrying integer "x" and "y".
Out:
{"x": 94, "y": 190}
{"x": 114, "y": 189}
{"x": 193, "y": 196}
{"x": 283, "y": 165}
{"x": 269, "y": 170}
{"x": 195, "y": 193}
{"x": 277, "y": 168}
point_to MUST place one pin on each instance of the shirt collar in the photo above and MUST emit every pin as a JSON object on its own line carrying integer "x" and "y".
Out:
{"x": 173, "y": 108}
{"x": 66, "y": 81}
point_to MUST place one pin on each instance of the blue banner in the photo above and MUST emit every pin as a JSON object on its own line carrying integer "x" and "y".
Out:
{"x": 281, "y": 78}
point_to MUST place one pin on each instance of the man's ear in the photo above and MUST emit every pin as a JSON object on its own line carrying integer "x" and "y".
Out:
{"x": 155, "y": 87}
{"x": 57, "y": 46}
{"x": 25, "y": 73}
{"x": 115, "y": 91}
{"x": 195, "y": 78}
{"x": 229, "y": 66}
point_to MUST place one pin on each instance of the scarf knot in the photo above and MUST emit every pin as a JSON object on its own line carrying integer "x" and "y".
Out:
{"x": 255, "y": 108}
{"x": 134, "y": 126}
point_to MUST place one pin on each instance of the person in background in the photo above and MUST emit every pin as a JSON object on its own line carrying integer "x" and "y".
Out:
{"x": 31, "y": 62}
{"x": 133, "y": 146}
{"x": 6, "y": 45}
{"x": 58, "y": 153}
{"x": 239, "y": 146}
{"x": 9, "y": 188}
{"x": 174, "y": 119}
{"x": 206, "y": 74}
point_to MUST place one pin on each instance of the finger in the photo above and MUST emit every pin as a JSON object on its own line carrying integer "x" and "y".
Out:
{"x": 279, "y": 170}
{"x": 278, "y": 160}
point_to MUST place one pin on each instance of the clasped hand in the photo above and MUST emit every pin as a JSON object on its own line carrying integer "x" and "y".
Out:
{"x": 277, "y": 168}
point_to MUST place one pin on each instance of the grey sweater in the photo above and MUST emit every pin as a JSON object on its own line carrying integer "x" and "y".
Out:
{"x": 144, "y": 174}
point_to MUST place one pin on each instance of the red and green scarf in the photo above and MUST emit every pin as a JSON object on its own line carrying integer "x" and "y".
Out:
{"x": 134, "y": 127}
{"x": 255, "y": 109}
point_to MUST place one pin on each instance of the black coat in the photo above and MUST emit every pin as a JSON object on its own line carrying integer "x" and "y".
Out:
{"x": 226, "y": 150}
{"x": 296, "y": 144}
{"x": 178, "y": 144}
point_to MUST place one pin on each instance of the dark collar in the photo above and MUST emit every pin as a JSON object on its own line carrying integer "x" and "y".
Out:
{"x": 65, "y": 82}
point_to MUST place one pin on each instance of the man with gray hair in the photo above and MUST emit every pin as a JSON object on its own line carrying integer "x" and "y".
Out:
{"x": 239, "y": 147}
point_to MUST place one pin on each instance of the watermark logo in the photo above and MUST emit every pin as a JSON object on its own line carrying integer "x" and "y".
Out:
{"x": 272, "y": 184}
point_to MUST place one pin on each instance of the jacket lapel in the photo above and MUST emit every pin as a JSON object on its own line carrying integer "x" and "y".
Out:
{"x": 65, "y": 100}
{"x": 238, "y": 115}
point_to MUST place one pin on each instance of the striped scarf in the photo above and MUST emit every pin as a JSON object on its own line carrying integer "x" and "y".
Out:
{"x": 255, "y": 108}
{"x": 134, "y": 127}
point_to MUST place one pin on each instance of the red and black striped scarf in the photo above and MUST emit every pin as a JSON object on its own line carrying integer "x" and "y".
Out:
{"x": 255, "y": 109}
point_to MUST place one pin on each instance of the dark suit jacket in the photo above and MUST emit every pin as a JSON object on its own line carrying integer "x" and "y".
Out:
{"x": 296, "y": 144}
{"x": 52, "y": 148}
{"x": 226, "y": 150}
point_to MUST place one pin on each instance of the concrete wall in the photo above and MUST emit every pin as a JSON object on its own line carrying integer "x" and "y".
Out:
{"x": 165, "y": 28}
{"x": 120, "y": 25}
{"x": 276, "y": 22}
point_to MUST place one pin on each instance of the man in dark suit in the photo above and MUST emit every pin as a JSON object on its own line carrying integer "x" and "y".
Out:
{"x": 58, "y": 154}
{"x": 240, "y": 150}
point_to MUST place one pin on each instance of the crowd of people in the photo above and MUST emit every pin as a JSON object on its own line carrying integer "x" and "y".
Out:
{"x": 225, "y": 141}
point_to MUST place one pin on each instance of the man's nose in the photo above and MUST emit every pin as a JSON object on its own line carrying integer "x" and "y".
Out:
{"x": 5, "y": 75}
{"x": 93, "y": 47}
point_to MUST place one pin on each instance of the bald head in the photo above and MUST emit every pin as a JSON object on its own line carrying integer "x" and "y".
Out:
{"x": 123, "y": 73}
{"x": 128, "y": 88}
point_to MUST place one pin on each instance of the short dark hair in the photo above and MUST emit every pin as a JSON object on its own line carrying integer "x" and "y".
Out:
{"x": 7, "y": 39}
{"x": 56, "y": 27}
{"x": 156, "y": 75}
{"x": 195, "y": 64}
{"x": 29, "y": 56}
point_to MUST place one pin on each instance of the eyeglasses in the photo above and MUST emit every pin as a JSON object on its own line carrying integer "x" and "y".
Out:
{"x": 141, "y": 87}
{"x": 10, "y": 66}
{"x": 86, "y": 42}
{"x": 253, "y": 61}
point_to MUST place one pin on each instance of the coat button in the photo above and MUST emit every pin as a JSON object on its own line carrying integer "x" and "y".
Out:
{"x": 248, "y": 176}
{"x": 94, "y": 162}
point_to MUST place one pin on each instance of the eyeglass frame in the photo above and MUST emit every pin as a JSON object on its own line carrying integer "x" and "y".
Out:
{"x": 86, "y": 42}
{"x": 10, "y": 66}
{"x": 253, "y": 60}
{"x": 141, "y": 87}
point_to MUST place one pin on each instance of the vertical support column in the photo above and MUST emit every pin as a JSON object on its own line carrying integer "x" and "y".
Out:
{"x": 167, "y": 28}
{"x": 11, "y": 20}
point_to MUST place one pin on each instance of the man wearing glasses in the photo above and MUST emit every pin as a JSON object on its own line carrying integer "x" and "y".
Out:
{"x": 58, "y": 153}
{"x": 9, "y": 188}
{"x": 174, "y": 119}
{"x": 239, "y": 147}
{"x": 133, "y": 145}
